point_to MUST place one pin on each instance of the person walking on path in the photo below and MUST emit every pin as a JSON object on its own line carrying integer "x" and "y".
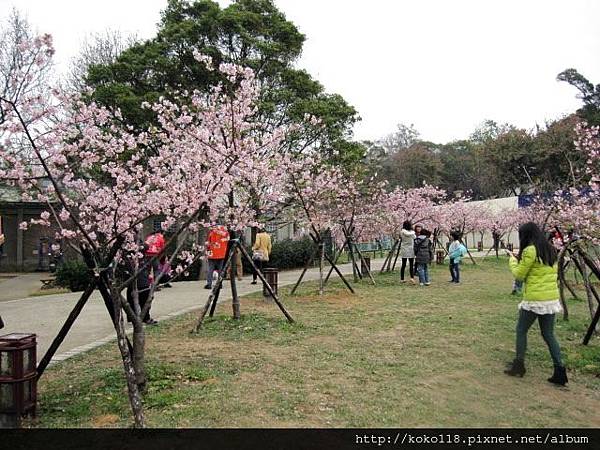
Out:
{"x": 407, "y": 250}
{"x": 536, "y": 266}
{"x": 261, "y": 250}
{"x": 423, "y": 256}
{"x": 455, "y": 253}
{"x": 154, "y": 245}
{"x": 216, "y": 251}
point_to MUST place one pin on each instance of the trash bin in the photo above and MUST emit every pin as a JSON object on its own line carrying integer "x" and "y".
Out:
{"x": 439, "y": 256}
{"x": 271, "y": 275}
{"x": 365, "y": 266}
{"x": 479, "y": 246}
{"x": 18, "y": 378}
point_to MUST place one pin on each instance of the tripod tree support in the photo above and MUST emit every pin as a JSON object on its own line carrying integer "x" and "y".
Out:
{"x": 322, "y": 255}
{"x": 65, "y": 328}
{"x": 214, "y": 295}
{"x": 390, "y": 255}
{"x": 306, "y": 266}
{"x": 216, "y": 290}
{"x": 583, "y": 264}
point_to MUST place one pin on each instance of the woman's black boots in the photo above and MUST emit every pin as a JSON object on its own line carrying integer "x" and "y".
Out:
{"x": 516, "y": 369}
{"x": 559, "y": 376}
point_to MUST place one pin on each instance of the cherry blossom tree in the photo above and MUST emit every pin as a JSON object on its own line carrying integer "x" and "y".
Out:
{"x": 500, "y": 223}
{"x": 314, "y": 189}
{"x": 417, "y": 205}
{"x": 104, "y": 180}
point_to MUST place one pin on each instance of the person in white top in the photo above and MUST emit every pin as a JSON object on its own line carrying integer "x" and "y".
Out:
{"x": 407, "y": 250}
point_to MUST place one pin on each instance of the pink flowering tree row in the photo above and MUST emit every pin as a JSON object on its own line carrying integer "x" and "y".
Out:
{"x": 101, "y": 180}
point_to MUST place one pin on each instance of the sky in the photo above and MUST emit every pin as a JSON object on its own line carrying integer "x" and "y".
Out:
{"x": 443, "y": 65}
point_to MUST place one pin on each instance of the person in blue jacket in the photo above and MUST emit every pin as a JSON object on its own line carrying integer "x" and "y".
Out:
{"x": 455, "y": 253}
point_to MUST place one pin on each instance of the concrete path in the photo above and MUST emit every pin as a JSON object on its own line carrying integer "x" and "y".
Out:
{"x": 45, "y": 315}
{"x": 20, "y": 285}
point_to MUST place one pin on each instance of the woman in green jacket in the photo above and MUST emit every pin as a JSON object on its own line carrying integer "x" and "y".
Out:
{"x": 536, "y": 266}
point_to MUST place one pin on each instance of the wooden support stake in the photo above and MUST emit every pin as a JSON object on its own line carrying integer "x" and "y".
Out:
{"x": 214, "y": 293}
{"x": 362, "y": 260}
{"x": 267, "y": 285}
{"x": 65, "y": 328}
{"x": 340, "y": 274}
{"x": 388, "y": 258}
{"x": 308, "y": 263}
{"x": 397, "y": 255}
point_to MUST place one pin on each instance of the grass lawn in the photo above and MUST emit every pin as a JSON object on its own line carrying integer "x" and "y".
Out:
{"x": 392, "y": 355}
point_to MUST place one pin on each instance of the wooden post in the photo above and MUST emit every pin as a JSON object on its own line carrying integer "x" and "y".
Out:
{"x": 235, "y": 300}
{"x": 321, "y": 259}
{"x": 308, "y": 262}
{"x": 468, "y": 252}
{"x": 340, "y": 274}
{"x": 356, "y": 272}
{"x": 335, "y": 260}
{"x": 65, "y": 329}
{"x": 265, "y": 283}
{"x": 388, "y": 257}
{"x": 214, "y": 294}
{"x": 397, "y": 255}
{"x": 362, "y": 259}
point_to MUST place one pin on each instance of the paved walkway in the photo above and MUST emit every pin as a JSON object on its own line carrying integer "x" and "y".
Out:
{"x": 20, "y": 285}
{"x": 45, "y": 315}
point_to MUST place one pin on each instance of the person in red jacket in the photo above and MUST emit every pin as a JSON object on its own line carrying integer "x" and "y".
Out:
{"x": 216, "y": 250}
{"x": 153, "y": 246}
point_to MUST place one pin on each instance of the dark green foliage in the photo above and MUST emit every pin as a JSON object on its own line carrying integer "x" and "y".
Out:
{"x": 74, "y": 275}
{"x": 588, "y": 93}
{"x": 290, "y": 254}
{"x": 251, "y": 33}
{"x": 497, "y": 160}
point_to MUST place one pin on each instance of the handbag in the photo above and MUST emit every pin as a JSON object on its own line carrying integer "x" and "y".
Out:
{"x": 258, "y": 255}
{"x": 2, "y": 239}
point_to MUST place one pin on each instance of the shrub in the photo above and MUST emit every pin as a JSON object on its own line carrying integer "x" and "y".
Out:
{"x": 291, "y": 254}
{"x": 73, "y": 275}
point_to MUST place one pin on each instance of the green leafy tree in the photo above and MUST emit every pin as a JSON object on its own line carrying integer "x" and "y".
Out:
{"x": 414, "y": 166}
{"x": 510, "y": 154}
{"x": 464, "y": 167}
{"x": 252, "y": 33}
{"x": 588, "y": 93}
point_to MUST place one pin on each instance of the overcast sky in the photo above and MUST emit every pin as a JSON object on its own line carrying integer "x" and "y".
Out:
{"x": 442, "y": 65}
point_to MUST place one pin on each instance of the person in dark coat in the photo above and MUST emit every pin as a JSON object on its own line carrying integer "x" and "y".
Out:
{"x": 423, "y": 256}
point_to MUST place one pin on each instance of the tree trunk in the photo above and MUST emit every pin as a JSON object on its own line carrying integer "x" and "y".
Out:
{"x": 592, "y": 303}
{"x": 321, "y": 259}
{"x": 133, "y": 392}
{"x": 139, "y": 354}
{"x": 235, "y": 299}
{"x": 561, "y": 282}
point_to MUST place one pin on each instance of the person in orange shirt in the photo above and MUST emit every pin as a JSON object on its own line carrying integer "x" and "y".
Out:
{"x": 216, "y": 250}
